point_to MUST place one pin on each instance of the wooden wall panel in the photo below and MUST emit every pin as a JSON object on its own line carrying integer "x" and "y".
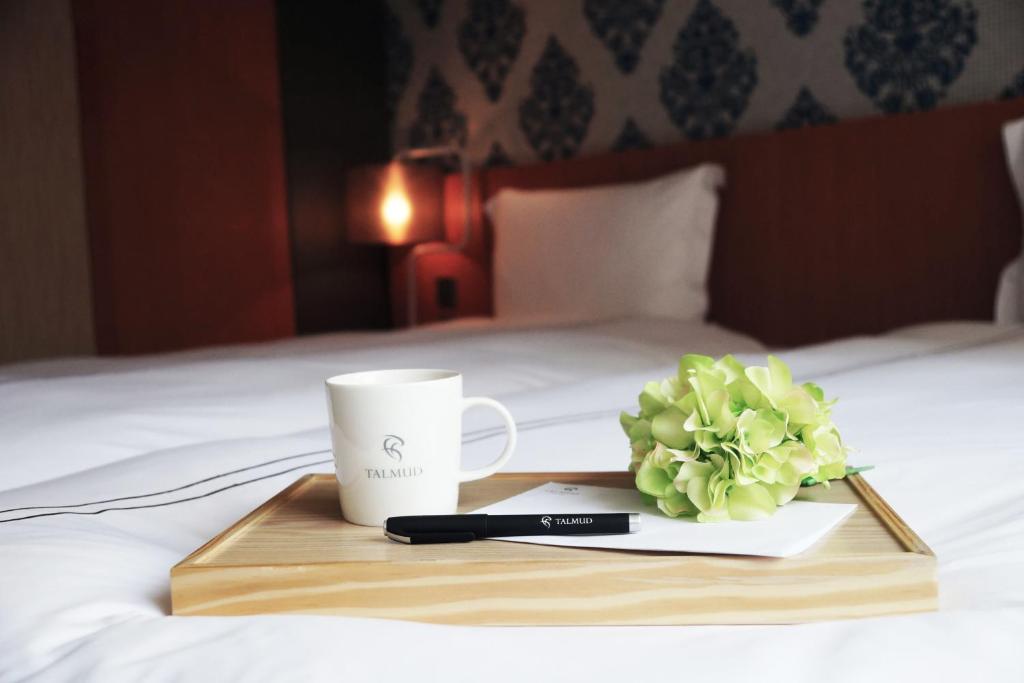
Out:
{"x": 181, "y": 127}
{"x": 334, "y": 97}
{"x": 853, "y": 228}
{"x": 45, "y": 306}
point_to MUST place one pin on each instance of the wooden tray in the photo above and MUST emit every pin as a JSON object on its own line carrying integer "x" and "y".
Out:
{"x": 295, "y": 554}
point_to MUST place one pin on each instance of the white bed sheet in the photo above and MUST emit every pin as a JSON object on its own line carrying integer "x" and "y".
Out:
{"x": 937, "y": 409}
{"x": 112, "y": 409}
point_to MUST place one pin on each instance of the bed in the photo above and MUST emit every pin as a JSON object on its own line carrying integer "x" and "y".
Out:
{"x": 114, "y": 469}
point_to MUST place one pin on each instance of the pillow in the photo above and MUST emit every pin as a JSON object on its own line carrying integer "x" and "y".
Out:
{"x": 1013, "y": 145}
{"x": 636, "y": 249}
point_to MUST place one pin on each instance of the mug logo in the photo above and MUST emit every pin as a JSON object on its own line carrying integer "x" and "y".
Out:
{"x": 391, "y": 447}
{"x": 546, "y": 521}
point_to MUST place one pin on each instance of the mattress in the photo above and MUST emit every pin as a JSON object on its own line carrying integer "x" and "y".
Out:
{"x": 113, "y": 470}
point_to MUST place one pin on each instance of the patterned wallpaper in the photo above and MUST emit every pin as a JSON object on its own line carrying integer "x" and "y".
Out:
{"x": 522, "y": 80}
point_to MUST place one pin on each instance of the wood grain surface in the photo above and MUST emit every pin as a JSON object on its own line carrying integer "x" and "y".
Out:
{"x": 296, "y": 554}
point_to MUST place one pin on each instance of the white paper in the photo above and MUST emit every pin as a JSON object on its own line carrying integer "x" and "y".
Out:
{"x": 792, "y": 529}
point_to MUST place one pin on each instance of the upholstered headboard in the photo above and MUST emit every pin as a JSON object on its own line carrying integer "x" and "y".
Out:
{"x": 854, "y": 228}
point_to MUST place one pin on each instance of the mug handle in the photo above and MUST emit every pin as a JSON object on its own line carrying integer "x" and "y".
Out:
{"x": 510, "y": 442}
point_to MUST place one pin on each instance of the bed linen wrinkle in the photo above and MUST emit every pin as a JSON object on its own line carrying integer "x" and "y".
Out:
{"x": 170, "y": 502}
{"x": 468, "y": 438}
{"x": 173, "y": 490}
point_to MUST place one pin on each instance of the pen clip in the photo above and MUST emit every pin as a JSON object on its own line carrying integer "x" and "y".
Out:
{"x": 432, "y": 537}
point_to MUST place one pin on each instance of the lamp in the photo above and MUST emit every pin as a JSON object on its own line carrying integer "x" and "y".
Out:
{"x": 400, "y": 204}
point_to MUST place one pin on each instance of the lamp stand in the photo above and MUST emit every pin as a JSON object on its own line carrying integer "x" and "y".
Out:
{"x": 438, "y": 247}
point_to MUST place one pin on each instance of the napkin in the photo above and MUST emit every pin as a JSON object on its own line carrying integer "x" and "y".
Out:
{"x": 792, "y": 529}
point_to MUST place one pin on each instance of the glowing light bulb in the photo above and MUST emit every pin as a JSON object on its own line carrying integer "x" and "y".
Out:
{"x": 396, "y": 211}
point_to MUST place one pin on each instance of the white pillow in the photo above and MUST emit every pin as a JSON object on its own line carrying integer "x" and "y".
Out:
{"x": 605, "y": 252}
{"x": 1013, "y": 145}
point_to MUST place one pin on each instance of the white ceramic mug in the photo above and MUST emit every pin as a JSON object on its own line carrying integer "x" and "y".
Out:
{"x": 397, "y": 438}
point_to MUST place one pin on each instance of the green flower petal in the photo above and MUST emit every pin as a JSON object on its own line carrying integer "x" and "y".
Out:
{"x": 718, "y": 488}
{"x": 693, "y": 423}
{"x": 691, "y": 362}
{"x": 693, "y": 469}
{"x": 799, "y": 406}
{"x": 706, "y": 440}
{"x": 720, "y": 515}
{"x": 669, "y": 428}
{"x": 652, "y": 401}
{"x": 731, "y": 368}
{"x": 783, "y": 493}
{"x": 773, "y": 381}
{"x": 766, "y": 470}
{"x": 722, "y": 421}
{"x": 760, "y": 430}
{"x": 672, "y": 389}
{"x": 640, "y": 432}
{"x": 652, "y": 480}
{"x": 750, "y": 503}
{"x": 697, "y": 492}
{"x": 626, "y": 421}
{"x": 729, "y": 442}
{"x": 676, "y": 504}
{"x": 815, "y": 391}
{"x": 682, "y": 456}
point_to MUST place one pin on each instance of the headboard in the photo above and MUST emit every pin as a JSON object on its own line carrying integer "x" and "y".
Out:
{"x": 854, "y": 228}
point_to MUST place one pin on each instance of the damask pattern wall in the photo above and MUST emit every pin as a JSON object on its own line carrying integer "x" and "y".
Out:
{"x": 516, "y": 81}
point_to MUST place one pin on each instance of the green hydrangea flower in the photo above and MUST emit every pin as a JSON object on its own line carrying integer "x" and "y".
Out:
{"x": 721, "y": 441}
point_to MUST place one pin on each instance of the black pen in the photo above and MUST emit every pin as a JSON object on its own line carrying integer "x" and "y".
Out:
{"x": 462, "y": 528}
